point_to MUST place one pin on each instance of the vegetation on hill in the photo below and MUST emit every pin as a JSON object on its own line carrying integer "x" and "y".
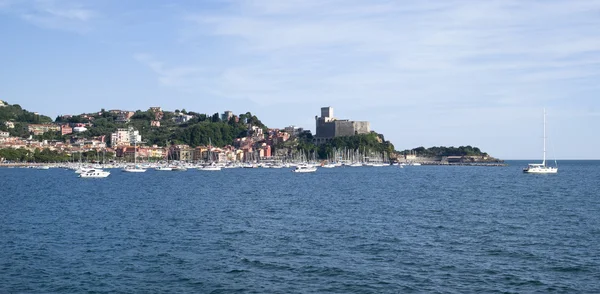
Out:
{"x": 24, "y": 155}
{"x": 17, "y": 114}
{"x": 366, "y": 143}
{"x": 20, "y": 118}
{"x": 445, "y": 151}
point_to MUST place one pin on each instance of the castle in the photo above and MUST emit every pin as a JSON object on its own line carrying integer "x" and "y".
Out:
{"x": 329, "y": 127}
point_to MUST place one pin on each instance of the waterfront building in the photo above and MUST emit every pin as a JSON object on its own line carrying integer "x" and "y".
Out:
{"x": 328, "y": 127}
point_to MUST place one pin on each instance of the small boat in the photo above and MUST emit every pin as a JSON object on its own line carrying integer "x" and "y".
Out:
{"x": 134, "y": 169}
{"x": 164, "y": 168}
{"x": 43, "y": 167}
{"x": 210, "y": 168}
{"x": 178, "y": 168}
{"x": 305, "y": 169}
{"x": 94, "y": 173}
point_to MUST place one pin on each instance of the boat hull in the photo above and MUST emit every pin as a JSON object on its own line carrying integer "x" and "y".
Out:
{"x": 546, "y": 170}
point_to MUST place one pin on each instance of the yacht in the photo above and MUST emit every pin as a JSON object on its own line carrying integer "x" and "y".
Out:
{"x": 94, "y": 173}
{"x": 541, "y": 168}
{"x": 134, "y": 169}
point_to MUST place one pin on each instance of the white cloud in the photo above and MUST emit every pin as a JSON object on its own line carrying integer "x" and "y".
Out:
{"x": 185, "y": 78}
{"x": 54, "y": 14}
{"x": 392, "y": 49}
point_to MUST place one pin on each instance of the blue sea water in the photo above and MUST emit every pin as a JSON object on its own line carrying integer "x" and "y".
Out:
{"x": 433, "y": 229}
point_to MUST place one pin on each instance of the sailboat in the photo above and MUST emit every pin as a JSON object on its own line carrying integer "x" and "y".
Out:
{"x": 135, "y": 168}
{"x": 541, "y": 168}
{"x": 211, "y": 166}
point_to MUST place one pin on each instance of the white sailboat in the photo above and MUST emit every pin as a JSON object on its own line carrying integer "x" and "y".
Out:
{"x": 135, "y": 168}
{"x": 211, "y": 166}
{"x": 541, "y": 168}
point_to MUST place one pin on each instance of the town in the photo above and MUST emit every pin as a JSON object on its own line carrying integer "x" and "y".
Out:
{"x": 158, "y": 135}
{"x": 73, "y": 135}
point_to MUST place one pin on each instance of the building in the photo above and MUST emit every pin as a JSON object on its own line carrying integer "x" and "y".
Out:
{"x": 158, "y": 113}
{"x": 79, "y": 129}
{"x": 327, "y": 126}
{"x": 227, "y": 115}
{"x": 125, "y": 137}
{"x": 3, "y": 104}
{"x": 39, "y": 129}
{"x": 124, "y": 116}
{"x": 66, "y": 129}
{"x": 181, "y": 118}
{"x": 155, "y": 123}
{"x": 293, "y": 131}
{"x": 9, "y": 124}
{"x": 4, "y": 134}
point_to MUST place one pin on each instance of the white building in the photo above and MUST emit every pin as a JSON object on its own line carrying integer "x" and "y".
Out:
{"x": 182, "y": 118}
{"x": 4, "y": 134}
{"x": 79, "y": 129}
{"x": 125, "y": 137}
{"x": 2, "y": 103}
{"x": 9, "y": 124}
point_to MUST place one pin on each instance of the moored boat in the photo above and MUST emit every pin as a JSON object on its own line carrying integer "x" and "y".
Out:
{"x": 305, "y": 169}
{"x": 94, "y": 173}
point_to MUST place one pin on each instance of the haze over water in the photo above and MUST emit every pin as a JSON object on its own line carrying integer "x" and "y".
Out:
{"x": 342, "y": 230}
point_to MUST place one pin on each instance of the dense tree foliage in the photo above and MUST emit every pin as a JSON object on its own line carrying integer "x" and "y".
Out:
{"x": 24, "y": 155}
{"x": 17, "y": 114}
{"x": 446, "y": 151}
{"x": 20, "y": 118}
{"x": 366, "y": 143}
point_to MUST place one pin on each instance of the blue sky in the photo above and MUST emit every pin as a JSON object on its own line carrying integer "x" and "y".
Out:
{"x": 424, "y": 73}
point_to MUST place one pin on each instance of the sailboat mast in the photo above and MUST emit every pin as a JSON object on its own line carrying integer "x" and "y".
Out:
{"x": 544, "y": 160}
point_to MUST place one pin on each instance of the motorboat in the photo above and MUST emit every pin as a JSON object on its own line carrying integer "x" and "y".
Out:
{"x": 94, "y": 173}
{"x": 304, "y": 169}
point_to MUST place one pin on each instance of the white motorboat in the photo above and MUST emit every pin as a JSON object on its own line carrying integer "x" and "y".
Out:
{"x": 94, "y": 173}
{"x": 541, "y": 168}
{"x": 305, "y": 169}
{"x": 134, "y": 169}
{"x": 164, "y": 168}
{"x": 210, "y": 168}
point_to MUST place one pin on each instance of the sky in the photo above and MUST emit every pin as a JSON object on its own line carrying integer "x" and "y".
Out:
{"x": 424, "y": 73}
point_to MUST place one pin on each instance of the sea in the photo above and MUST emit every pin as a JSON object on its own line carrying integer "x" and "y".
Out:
{"x": 418, "y": 229}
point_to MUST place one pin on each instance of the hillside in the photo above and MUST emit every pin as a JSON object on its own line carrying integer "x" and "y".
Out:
{"x": 20, "y": 118}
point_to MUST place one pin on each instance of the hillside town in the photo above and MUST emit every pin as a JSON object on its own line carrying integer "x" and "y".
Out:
{"x": 127, "y": 142}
